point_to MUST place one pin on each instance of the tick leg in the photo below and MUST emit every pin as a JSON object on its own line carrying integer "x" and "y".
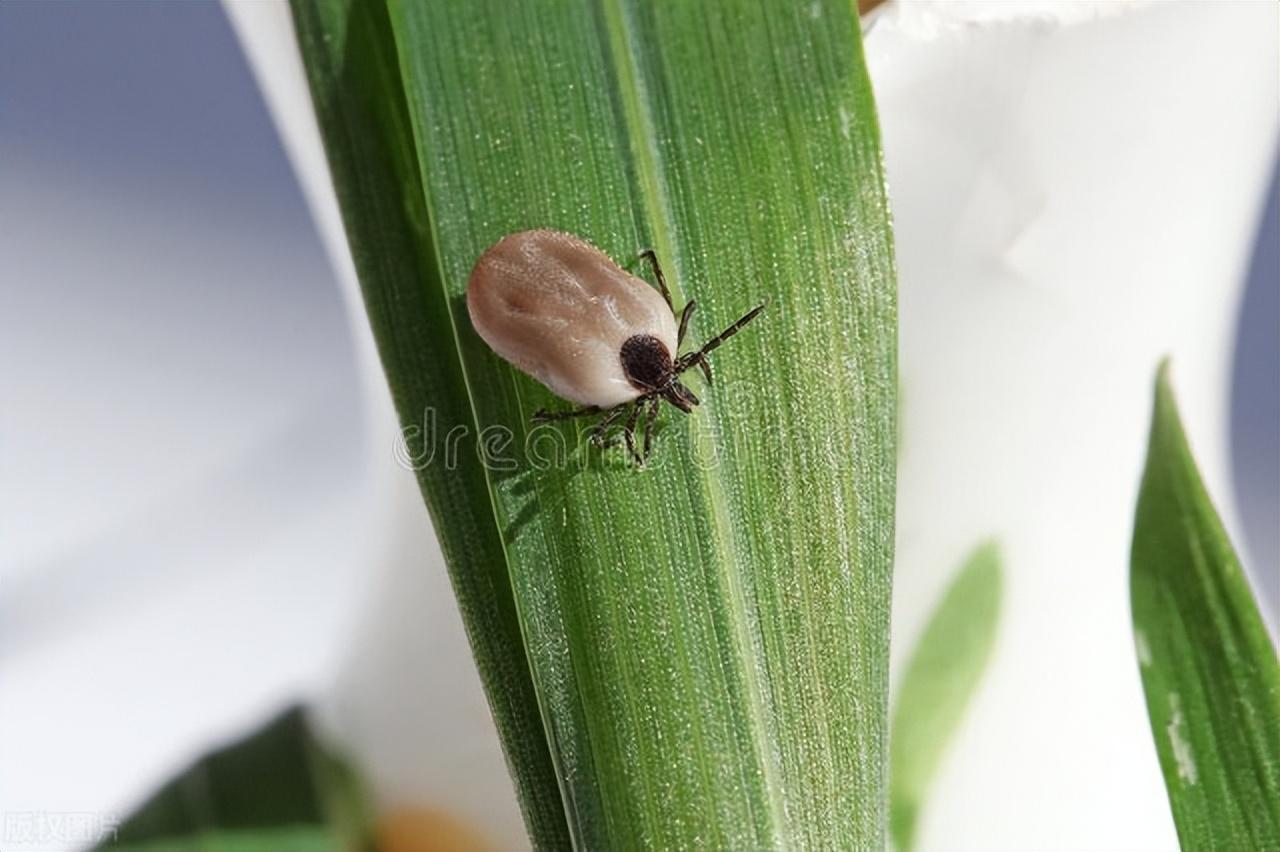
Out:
{"x": 685, "y": 316}
{"x": 649, "y": 255}
{"x": 700, "y": 357}
{"x": 629, "y": 432}
{"x": 691, "y": 359}
{"x": 544, "y": 416}
{"x": 598, "y": 433}
{"x": 705, "y": 364}
{"x": 649, "y": 418}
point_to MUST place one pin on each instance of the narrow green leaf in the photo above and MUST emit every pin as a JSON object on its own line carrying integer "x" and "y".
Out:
{"x": 938, "y": 683}
{"x": 351, "y": 63}
{"x": 279, "y": 784}
{"x": 707, "y": 636}
{"x": 1208, "y": 668}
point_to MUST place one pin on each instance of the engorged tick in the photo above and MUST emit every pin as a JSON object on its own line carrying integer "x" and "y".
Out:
{"x": 562, "y": 311}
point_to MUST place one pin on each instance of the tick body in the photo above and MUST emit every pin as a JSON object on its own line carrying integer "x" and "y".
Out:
{"x": 562, "y": 311}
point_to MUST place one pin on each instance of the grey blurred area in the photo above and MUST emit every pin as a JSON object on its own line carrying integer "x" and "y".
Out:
{"x": 183, "y": 453}
{"x": 164, "y": 300}
{"x": 1255, "y": 403}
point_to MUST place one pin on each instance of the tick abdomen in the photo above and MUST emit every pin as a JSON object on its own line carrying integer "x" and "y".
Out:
{"x": 561, "y": 310}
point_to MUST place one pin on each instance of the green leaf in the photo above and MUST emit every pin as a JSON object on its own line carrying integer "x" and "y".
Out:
{"x": 938, "y": 683}
{"x": 277, "y": 788}
{"x": 695, "y": 653}
{"x": 290, "y": 838}
{"x": 351, "y": 63}
{"x": 1208, "y": 667}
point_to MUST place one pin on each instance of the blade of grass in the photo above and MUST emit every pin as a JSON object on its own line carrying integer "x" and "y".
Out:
{"x": 1208, "y": 667}
{"x": 350, "y": 57}
{"x": 277, "y": 788}
{"x": 940, "y": 679}
{"x": 707, "y": 637}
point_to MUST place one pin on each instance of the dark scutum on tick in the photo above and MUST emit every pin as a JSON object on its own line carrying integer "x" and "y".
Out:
{"x": 645, "y": 361}
{"x": 650, "y": 368}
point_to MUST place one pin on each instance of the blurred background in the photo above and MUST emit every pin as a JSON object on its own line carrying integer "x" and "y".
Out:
{"x": 188, "y": 525}
{"x": 183, "y": 522}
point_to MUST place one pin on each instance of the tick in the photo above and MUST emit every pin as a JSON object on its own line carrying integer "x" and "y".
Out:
{"x": 562, "y": 311}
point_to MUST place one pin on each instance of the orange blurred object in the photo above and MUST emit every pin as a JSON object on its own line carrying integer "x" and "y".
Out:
{"x": 427, "y": 830}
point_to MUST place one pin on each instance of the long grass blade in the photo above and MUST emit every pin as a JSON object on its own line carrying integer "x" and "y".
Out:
{"x": 940, "y": 678}
{"x": 707, "y": 636}
{"x": 1208, "y": 667}
{"x": 350, "y": 56}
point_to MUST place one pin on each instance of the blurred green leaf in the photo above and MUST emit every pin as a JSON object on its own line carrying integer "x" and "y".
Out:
{"x": 278, "y": 788}
{"x": 692, "y": 654}
{"x": 287, "y": 839}
{"x": 938, "y": 683}
{"x": 1208, "y": 667}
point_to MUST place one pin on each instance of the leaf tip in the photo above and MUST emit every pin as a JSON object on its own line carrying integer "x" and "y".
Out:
{"x": 1163, "y": 383}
